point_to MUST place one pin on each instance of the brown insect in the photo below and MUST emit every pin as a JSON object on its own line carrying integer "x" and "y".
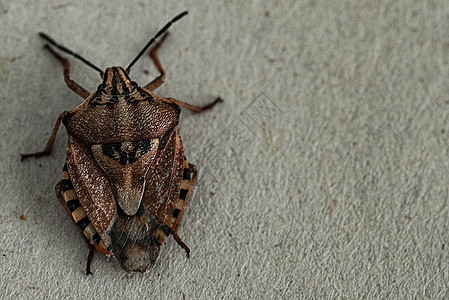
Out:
{"x": 126, "y": 183}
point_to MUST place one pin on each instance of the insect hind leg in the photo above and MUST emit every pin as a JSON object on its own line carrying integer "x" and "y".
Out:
{"x": 190, "y": 175}
{"x": 181, "y": 243}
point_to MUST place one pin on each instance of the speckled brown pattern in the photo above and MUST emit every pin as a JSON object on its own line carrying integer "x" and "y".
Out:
{"x": 126, "y": 183}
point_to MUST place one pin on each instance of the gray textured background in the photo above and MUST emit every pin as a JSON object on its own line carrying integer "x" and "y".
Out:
{"x": 324, "y": 174}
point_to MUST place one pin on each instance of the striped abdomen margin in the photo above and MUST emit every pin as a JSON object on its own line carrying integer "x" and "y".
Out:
{"x": 77, "y": 211}
{"x": 185, "y": 187}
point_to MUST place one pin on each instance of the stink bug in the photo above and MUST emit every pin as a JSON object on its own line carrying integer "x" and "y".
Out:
{"x": 126, "y": 182}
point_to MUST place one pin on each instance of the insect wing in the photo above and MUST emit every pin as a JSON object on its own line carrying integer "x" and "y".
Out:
{"x": 164, "y": 178}
{"x": 92, "y": 187}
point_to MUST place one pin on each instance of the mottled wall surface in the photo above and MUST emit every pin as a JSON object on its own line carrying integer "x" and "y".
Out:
{"x": 324, "y": 174}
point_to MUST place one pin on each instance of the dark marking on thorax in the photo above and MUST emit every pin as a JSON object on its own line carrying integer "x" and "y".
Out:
{"x": 126, "y": 152}
{"x": 138, "y": 95}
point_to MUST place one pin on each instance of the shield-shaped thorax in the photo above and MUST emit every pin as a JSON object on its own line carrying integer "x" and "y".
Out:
{"x": 120, "y": 111}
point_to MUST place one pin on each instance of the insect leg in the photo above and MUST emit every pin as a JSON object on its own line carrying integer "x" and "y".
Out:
{"x": 70, "y": 83}
{"x": 158, "y": 81}
{"x": 89, "y": 258}
{"x": 194, "y": 108}
{"x": 50, "y": 142}
{"x": 181, "y": 243}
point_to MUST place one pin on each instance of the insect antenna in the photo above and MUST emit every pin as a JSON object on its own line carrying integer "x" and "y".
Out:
{"x": 64, "y": 49}
{"x": 155, "y": 37}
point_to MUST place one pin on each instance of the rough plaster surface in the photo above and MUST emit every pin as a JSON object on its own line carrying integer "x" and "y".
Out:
{"x": 324, "y": 174}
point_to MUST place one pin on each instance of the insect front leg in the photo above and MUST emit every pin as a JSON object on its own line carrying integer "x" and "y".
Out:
{"x": 50, "y": 142}
{"x": 70, "y": 83}
{"x": 161, "y": 78}
{"x": 158, "y": 81}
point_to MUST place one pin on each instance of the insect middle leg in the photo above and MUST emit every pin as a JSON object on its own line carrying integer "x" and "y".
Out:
{"x": 51, "y": 140}
{"x": 194, "y": 108}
